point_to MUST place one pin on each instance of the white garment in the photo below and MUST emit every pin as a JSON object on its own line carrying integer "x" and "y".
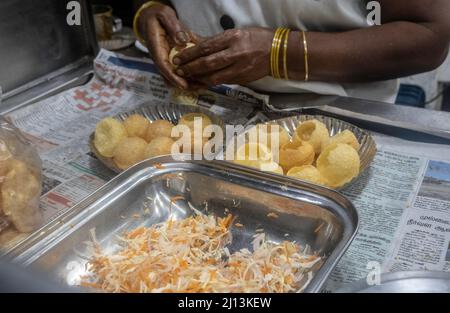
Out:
{"x": 203, "y": 17}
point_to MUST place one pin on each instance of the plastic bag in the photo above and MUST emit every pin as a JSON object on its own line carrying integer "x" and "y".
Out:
{"x": 20, "y": 182}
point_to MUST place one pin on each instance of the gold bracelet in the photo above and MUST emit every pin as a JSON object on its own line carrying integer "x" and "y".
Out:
{"x": 138, "y": 14}
{"x": 275, "y": 52}
{"x": 273, "y": 61}
{"x": 286, "y": 40}
{"x": 305, "y": 47}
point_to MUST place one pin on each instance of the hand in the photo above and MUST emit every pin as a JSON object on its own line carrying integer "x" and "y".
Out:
{"x": 237, "y": 56}
{"x": 162, "y": 31}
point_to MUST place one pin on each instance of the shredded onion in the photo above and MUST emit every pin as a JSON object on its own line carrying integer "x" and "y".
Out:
{"x": 191, "y": 255}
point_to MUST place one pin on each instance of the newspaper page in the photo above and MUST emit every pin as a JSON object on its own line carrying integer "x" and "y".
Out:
{"x": 403, "y": 201}
{"x": 60, "y": 126}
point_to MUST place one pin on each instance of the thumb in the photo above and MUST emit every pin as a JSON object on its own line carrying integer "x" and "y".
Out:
{"x": 175, "y": 30}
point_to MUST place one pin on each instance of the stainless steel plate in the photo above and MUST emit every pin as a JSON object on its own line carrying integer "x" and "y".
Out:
{"x": 368, "y": 147}
{"x": 404, "y": 282}
{"x": 142, "y": 196}
{"x": 169, "y": 112}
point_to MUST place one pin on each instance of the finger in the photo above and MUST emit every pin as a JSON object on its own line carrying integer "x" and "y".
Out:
{"x": 175, "y": 30}
{"x": 197, "y": 86}
{"x": 207, "y": 64}
{"x": 159, "y": 49}
{"x": 229, "y": 75}
{"x": 204, "y": 48}
{"x": 196, "y": 39}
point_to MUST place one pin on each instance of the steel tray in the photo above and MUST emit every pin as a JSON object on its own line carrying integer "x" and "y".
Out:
{"x": 141, "y": 196}
{"x": 368, "y": 147}
{"x": 169, "y": 112}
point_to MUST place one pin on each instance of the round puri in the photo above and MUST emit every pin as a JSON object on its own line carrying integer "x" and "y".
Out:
{"x": 272, "y": 132}
{"x": 315, "y": 133}
{"x": 136, "y": 126}
{"x": 20, "y": 197}
{"x": 158, "y": 128}
{"x": 296, "y": 153}
{"x": 307, "y": 173}
{"x": 109, "y": 132}
{"x": 129, "y": 152}
{"x": 190, "y": 119}
{"x": 339, "y": 163}
{"x": 347, "y": 137}
{"x": 159, "y": 146}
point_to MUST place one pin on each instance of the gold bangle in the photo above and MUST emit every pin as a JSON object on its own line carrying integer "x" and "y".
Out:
{"x": 286, "y": 40}
{"x": 138, "y": 14}
{"x": 273, "y": 61}
{"x": 305, "y": 48}
{"x": 275, "y": 52}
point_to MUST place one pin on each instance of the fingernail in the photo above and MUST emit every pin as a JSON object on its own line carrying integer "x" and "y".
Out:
{"x": 176, "y": 61}
{"x": 183, "y": 37}
{"x": 180, "y": 72}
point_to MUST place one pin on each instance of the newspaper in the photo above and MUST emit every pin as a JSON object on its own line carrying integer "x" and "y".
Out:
{"x": 403, "y": 199}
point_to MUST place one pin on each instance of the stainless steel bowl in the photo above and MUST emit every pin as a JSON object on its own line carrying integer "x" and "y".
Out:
{"x": 323, "y": 219}
{"x": 168, "y": 112}
{"x": 368, "y": 147}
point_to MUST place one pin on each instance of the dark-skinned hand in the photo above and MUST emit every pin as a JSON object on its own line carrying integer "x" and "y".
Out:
{"x": 162, "y": 30}
{"x": 237, "y": 56}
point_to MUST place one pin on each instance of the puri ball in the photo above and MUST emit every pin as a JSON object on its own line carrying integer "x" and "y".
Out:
{"x": 307, "y": 173}
{"x": 136, "y": 126}
{"x": 271, "y": 167}
{"x": 315, "y": 133}
{"x": 268, "y": 134}
{"x": 158, "y": 147}
{"x": 108, "y": 134}
{"x": 296, "y": 153}
{"x": 20, "y": 197}
{"x": 347, "y": 137}
{"x": 159, "y": 128}
{"x": 254, "y": 152}
{"x": 191, "y": 119}
{"x": 338, "y": 164}
{"x": 129, "y": 152}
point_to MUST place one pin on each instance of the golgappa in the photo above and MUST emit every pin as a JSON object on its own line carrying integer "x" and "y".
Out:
{"x": 158, "y": 128}
{"x": 136, "y": 126}
{"x": 129, "y": 152}
{"x": 296, "y": 153}
{"x": 308, "y": 173}
{"x": 159, "y": 146}
{"x": 338, "y": 164}
{"x": 108, "y": 134}
{"x": 347, "y": 137}
{"x": 313, "y": 132}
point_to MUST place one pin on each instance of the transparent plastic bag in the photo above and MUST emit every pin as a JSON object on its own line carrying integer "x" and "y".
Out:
{"x": 20, "y": 182}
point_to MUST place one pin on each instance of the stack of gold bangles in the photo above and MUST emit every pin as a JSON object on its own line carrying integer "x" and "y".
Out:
{"x": 280, "y": 44}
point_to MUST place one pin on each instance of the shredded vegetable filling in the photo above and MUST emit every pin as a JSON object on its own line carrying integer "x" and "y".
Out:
{"x": 191, "y": 255}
